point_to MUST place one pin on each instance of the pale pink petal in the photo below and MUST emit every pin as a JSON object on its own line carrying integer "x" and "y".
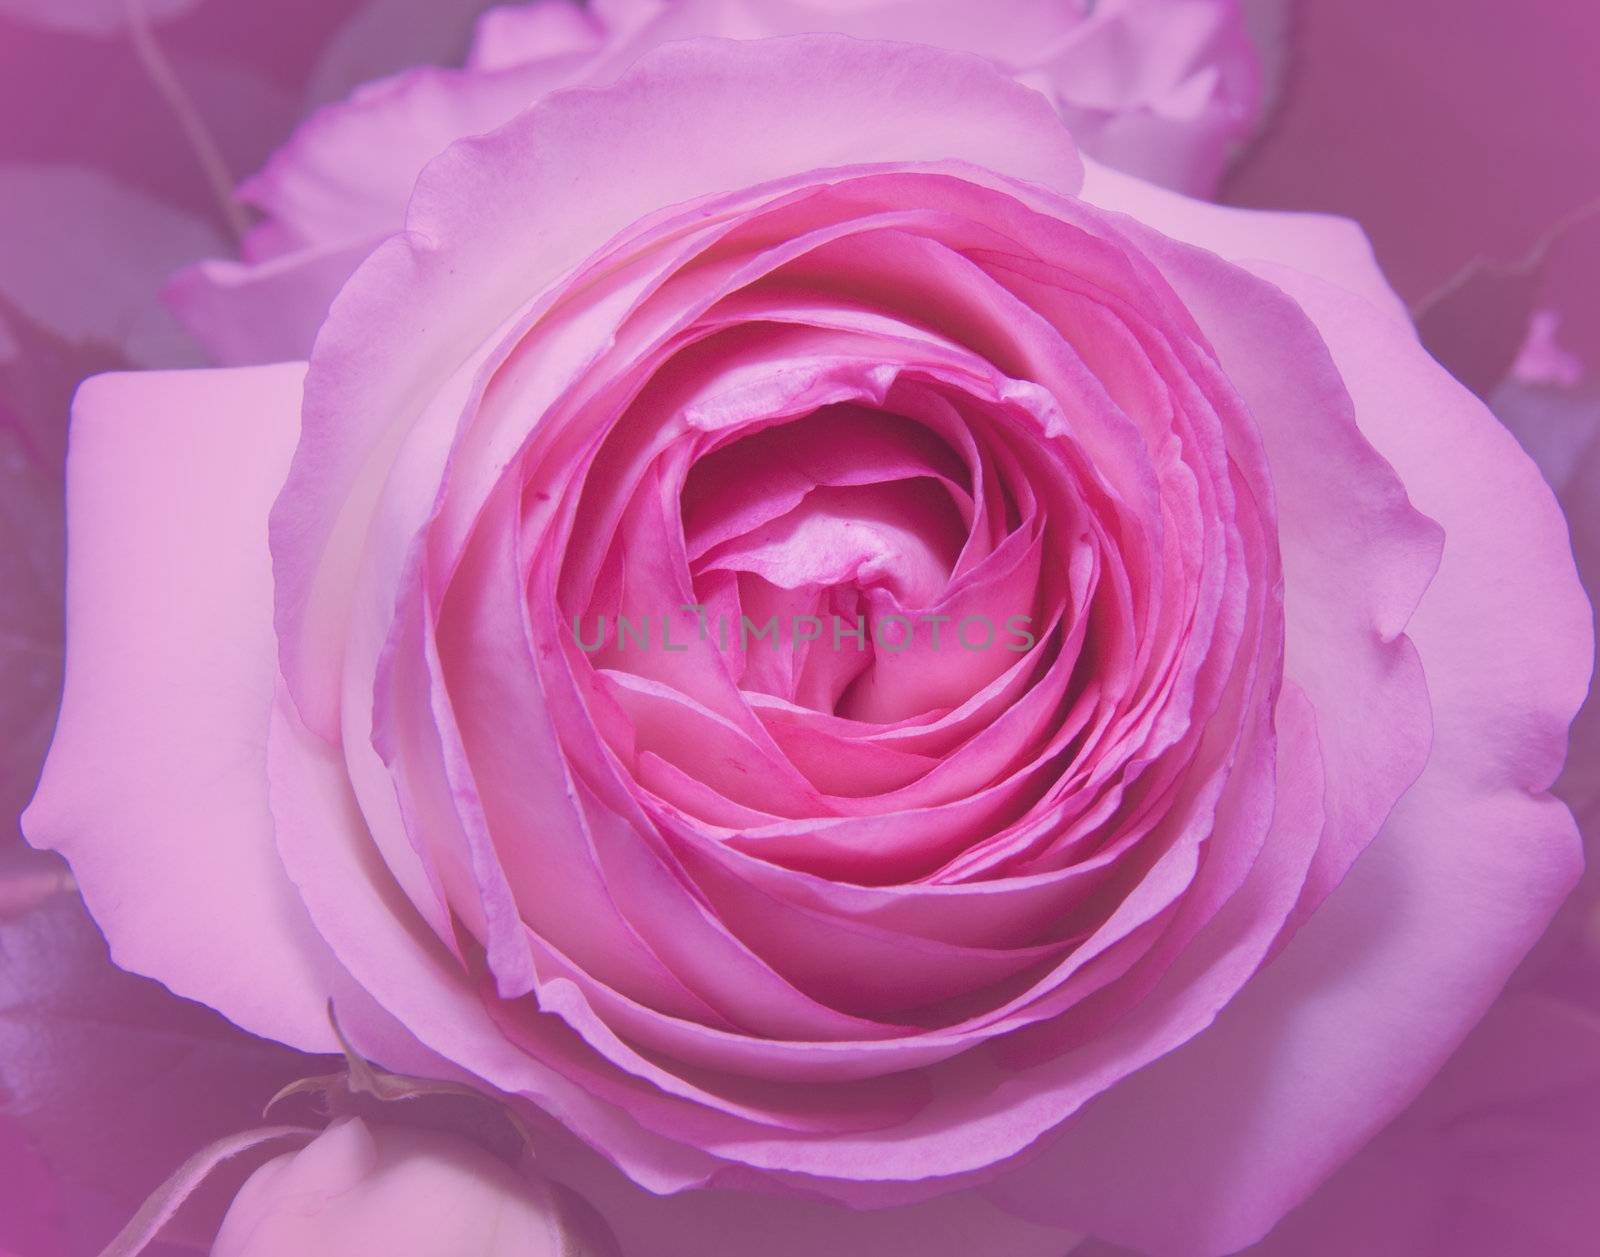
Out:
{"x": 515, "y": 34}
{"x": 1163, "y": 89}
{"x": 251, "y": 315}
{"x": 155, "y": 784}
{"x": 1337, "y": 249}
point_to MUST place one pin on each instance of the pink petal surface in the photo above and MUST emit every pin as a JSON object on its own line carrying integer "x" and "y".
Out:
{"x": 1477, "y": 822}
{"x": 182, "y": 465}
{"x": 1495, "y": 1156}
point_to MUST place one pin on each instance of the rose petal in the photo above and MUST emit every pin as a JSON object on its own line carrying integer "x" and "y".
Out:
{"x": 156, "y": 776}
{"x": 1476, "y": 839}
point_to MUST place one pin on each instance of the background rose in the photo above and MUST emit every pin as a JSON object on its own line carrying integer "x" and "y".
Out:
{"x": 1162, "y": 88}
{"x": 1390, "y": 565}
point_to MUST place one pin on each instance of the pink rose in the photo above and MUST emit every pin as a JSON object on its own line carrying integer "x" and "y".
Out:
{"x": 1162, "y": 88}
{"x": 838, "y": 332}
{"x": 360, "y": 1188}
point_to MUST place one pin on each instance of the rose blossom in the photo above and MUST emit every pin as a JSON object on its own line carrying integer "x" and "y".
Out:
{"x": 1160, "y": 88}
{"x": 839, "y": 326}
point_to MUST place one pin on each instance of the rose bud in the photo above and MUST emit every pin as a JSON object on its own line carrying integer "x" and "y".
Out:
{"x": 363, "y": 1187}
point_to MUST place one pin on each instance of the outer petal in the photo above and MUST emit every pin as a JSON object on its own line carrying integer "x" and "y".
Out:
{"x": 156, "y": 787}
{"x": 515, "y": 34}
{"x": 1498, "y": 1156}
{"x": 245, "y": 315}
{"x": 1580, "y": 785}
{"x": 1324, "y": 244}
{"x": 1161, "y": 88}
{"x": 1390, "y": 974}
